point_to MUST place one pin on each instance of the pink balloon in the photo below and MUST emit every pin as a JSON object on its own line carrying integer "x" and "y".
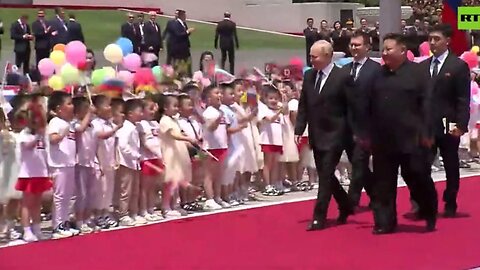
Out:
{"x": 144, "y": 76}
{"x": 75, "y": 52}
{"x": 132, "y": 62}
{"x": 410, "y": 55}
{"x": 126, "y": 76}
{"x": 424, "y": 49}
{"x": 46, "y": 67}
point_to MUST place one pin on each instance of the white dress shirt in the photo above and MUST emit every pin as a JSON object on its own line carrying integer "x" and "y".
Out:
{"x": 360, "y": 65}
{"x": 129, "y": 145}
{"x": 441, "y": 58}
{"x": 326, "y": 72}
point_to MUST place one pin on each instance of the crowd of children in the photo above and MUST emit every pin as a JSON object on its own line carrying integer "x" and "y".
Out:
{"x": 97, "y": 162}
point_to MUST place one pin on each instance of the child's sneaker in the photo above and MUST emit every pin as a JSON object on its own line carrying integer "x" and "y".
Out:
{"x": 61, "y": 232}
{"x": 211, "y": 205}
{"x": 172, "y": 214}
{"x": 111, "y": 222}
{"x": 85, "y": 229}
{"x": 29, "y": 237}
{"x": 139, "y": 220}
{"x": 127, "y": 221}
{"x": 72, "y": 228}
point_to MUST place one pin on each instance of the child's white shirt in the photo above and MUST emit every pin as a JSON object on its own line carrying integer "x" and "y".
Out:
{"x": 106, "y": 148}
{"x": 129, "y": 145}
{"x": 191, "y": 127}
{"x": 216, "y": 139}
{"x": 86, "y": 145}
{"x": 270, "y": 132}
{"x": 33, "y": 161}
{"x": 62, "y": 154}
{"x": 293, "y": 107}
{"x": 149, "y": 133}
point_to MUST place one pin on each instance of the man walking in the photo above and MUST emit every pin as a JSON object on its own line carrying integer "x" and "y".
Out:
{"x": 227, "y": 31}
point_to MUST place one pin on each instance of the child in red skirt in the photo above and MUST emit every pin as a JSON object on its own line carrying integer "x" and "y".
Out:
{"x": 151, "y": 163}
{"x": 271, "y": 139}
{"x": 215, "y": 140}
{"x": 33, "y": 178}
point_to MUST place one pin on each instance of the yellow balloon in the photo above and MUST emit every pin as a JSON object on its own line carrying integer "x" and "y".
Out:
{"x": 113, "y": 53}
{"x": 57, "y": 57}
{"x": 110, "y": 72}
{"x": 475, "y": 49}
{"x": 56, "y": 83}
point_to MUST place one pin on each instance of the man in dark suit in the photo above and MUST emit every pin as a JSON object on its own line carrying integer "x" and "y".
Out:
{"x": 375, "y": 37}
{"x": 166, "y": 36}
{"x": 129, "y": 30}
{"x": 362, "y": 72}
{"x": 59, "y": 28}
{"x": 42, "y": 34}
{"x": 450, "y": 81}
{"x": 21, "y": 35}
{"x": 74, "y": 29}
{"x": 153, "y": 36}
{"x": 181, "y": 55}
{"x": 323, "y": 107}
{"x": 140, "y": 26}
{"x": 311, "y": 35}
{"x": 227, "y": 31}
{"x": 400, "y": 136}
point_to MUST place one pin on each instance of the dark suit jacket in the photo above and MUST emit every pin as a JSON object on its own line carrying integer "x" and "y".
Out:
{"x": 167, "y": 33}
{"x": 152, "y": 35}
{"x": 358, "y": 93}
{"x": 227, "y": 31}
{"x": 21, "y": 45}
{"x": 75, "y": 31}
{"x": 42, "y": 39}
{"x": 180, "y": 41}
{"x": 324, "y": 112}
{"x": 310, "y": 37}
{"x": 450, "y": 93}
{"x": 131, "y": 32}
{"x": 62, "y": 33}
{"x": 399, "y": 109}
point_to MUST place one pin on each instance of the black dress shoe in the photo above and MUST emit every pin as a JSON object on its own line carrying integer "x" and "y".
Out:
{"x": 450, "y": 212}
{"x": 431, "y": 224}
{"x": 316, "y": 225}
{"x": 382, "y": 230}
{"x": 342, "y": 217}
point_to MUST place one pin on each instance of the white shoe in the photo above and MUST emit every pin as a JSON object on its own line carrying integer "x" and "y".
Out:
{"x": 127, "y": 221}
{"x": 61, "y": 233}
{"x": 149, "y": 217}
{"x": 223, "y": 204}
{"x": 172, "y": 214}
{"x": 85, "y": 229}
{"x": 139, "y": 220}
{"x": 234, "y": 203}
{"x": 211, "y": 205}
{"x": 74, "y": 231}
{"x": 29, "y": 237}
{"x": 156, "y": 217}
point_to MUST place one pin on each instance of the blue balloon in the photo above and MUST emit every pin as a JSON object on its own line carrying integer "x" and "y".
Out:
{"x": 343, "y": 61}
{"x": 126, "y": 45}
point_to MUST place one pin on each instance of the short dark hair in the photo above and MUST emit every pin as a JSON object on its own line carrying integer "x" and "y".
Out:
{"x": 100, "y": 100}
{"x": 443, "y": 28}
{"x": 133, "y": 104}
{"x": 58, "y": 10}
{"x": 399, "y": 38}
{"x": 71, "y": 16}
{"x": 309, "y": 19}
{"x": 183, "y": 97}
{"x": 207, "y": 90}
{"x": 365, "y": 36}
{"x": 269, "y": 89}
{"x": 79, "y": 103}
{"x": 117, "y": 102}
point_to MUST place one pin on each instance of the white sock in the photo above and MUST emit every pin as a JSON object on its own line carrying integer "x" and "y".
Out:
{"x": 27, "y": 230}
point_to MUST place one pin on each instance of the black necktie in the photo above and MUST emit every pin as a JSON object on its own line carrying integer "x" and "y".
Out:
{"x": 353, "y": 72}
{"x": 435, "y": 67}
{"x": 318, "y": 81}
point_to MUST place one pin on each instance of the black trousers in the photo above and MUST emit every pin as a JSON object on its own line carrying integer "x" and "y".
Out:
{"x": 362, "y": 176}
{"x": 328, "y": 185}
{"x": 41, "y": 53}
{"x": 448, "y": 146}
{"x": 22, "y": 59}
{"x": 415, "y": 168}
{"x": 230, "y": 52}
{"x": 169, "y": 56}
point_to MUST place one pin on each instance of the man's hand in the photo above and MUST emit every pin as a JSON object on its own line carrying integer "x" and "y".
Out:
{"x": 456, "y": 132}
{"x": 298, "y": 139}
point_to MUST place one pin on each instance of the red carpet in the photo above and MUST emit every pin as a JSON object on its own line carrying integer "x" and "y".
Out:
{"x": 268, "y": 238}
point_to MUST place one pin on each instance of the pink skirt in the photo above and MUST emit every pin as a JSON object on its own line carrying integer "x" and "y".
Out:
{"x": 303, "y": 143}
{"x": 267, "y": 148}
{"x": 35, "y": 185}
